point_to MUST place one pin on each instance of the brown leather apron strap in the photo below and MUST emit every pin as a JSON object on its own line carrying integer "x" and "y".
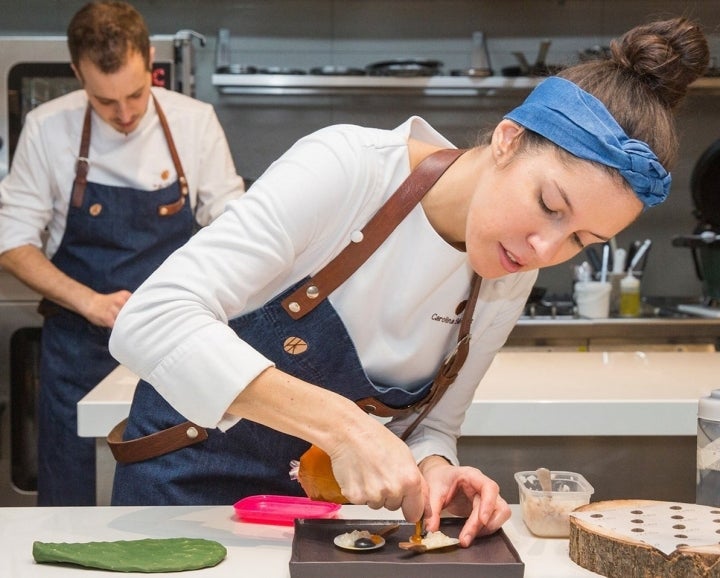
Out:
{"x": 153, "y": 445}
{"x": 172, "y": 208}
{"x": 336, "y": 272}
{"x": 445, "y": 377}
{"x": 450, "y": 368}
{"x": 82, "y": 166}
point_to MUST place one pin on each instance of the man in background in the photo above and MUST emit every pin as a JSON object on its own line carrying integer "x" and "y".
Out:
{"x": 117, "y": 175}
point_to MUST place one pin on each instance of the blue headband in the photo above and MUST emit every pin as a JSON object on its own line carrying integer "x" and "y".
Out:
{"x": 578, "y": 122}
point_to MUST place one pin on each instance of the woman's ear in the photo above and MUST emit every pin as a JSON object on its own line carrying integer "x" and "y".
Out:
{"x": 505, "y": 140}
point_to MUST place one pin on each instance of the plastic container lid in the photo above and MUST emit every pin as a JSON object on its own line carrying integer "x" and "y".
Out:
{"x": 709, "y": 407}
{"x": 566, "y": 485}
{"x": 282, "y": 510}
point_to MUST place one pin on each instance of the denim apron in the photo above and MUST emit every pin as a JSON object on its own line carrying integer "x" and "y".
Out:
{"x": 249, "y": 458}
{"x": 114, "y": 238}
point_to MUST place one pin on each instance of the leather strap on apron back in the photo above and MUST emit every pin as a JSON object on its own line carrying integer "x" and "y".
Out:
{"x": 306, "y": 298}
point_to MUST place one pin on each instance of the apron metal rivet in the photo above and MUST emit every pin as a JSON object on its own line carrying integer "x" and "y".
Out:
{"x": 312, "y": 292}
{"x": 96, "y": 209}
{"x": 163, "y": 211}
{"x": 295, "y": 346}
{"x": 192, "y": 433}
{"x": 357, "y": 236}
{"x": 294, "y": 307}
{"x": 370, "y": 408}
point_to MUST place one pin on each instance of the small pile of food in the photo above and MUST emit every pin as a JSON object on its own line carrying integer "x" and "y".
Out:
{"x": 358, "y": 540}
{"x": 433, "y": 540}
{"x": 545, "y": 516}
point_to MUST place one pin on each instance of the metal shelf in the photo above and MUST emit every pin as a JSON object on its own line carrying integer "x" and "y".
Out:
{"x": 308, "y": 84}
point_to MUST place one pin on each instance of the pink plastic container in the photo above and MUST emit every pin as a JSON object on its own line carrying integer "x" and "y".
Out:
{"x": 282, "y": 510}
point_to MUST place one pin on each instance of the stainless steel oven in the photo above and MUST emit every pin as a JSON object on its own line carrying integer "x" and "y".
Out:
{"x": 34, "y": 70}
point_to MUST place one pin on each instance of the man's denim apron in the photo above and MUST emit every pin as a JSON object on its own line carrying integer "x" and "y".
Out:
{"x": 249, "y": 458}
{"x": 113, "y": 240}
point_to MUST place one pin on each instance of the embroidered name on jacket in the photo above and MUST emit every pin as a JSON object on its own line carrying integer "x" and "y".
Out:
{"x": 446, "y": 319}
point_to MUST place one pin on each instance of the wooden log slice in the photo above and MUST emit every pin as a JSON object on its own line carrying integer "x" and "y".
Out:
{"x": 613, "y": 555}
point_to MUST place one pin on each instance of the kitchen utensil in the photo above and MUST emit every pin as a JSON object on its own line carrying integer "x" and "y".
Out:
{"x": 523, "y": 63}
{"x": 479, "y": 59}
{"x": 639, "y": 255}
{"x": 222, "y": 50}
{"x": 593, "y": 299}
{"x": 335, "y": 70}
{"x": 370, "y": 540}
{"x": 619, "y": 260}
{"x": 418, "y": 534}
{"x": 280, "y": 70}
{"x": 594, "y": 258}
{"x": 407, "y": 67}
{"x": 237, "y": 69}
{"x": 539, "y": 68}
{"x": 596, "y": 52}
{"x": 605, "y": 263}
{"x": 545, "y": 480}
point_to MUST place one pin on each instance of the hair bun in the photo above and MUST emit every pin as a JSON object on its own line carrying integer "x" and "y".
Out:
{"x": 667, "y": 55}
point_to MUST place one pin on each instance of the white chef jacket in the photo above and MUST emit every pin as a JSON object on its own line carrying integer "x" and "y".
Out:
{"x": 35, "y": 194}
{"x": 399, "y": 307}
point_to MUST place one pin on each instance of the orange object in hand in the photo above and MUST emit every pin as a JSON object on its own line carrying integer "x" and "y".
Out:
{"x": 316, "y": 477}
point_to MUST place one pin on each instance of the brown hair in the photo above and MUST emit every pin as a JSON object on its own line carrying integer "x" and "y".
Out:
{"x": 646, "y": 78}
{"x": 104, "y": 32}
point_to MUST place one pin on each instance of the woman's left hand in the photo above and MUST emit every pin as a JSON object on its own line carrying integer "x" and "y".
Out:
{"x": 463, "y": 491}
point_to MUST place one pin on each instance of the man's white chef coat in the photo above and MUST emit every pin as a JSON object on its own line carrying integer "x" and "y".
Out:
{"x": 35, "y": 195}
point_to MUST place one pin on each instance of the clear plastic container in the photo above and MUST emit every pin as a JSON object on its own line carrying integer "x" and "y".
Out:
{"x": 708, "y": 450}
{"x": 547, "y": 514}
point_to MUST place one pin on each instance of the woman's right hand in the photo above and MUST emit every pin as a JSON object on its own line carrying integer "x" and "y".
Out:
{"x": 370, "y": 463}
{"x": 374, "y": 467}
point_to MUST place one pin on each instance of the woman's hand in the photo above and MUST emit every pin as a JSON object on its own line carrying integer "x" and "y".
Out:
{"x": 369, "y": 462}
{"x": 377, "y": 468}
{"x": 463, "y": 491}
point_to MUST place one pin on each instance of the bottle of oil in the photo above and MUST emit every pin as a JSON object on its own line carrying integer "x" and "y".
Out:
{"x": 629, "y": 296}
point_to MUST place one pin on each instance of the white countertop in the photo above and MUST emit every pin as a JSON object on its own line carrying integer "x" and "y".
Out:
{"x": 257, "y": 550}
{"x": 533, "y": 393}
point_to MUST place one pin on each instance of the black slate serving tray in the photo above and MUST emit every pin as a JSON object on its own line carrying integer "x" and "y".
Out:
{"x": 314, "y": 555}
